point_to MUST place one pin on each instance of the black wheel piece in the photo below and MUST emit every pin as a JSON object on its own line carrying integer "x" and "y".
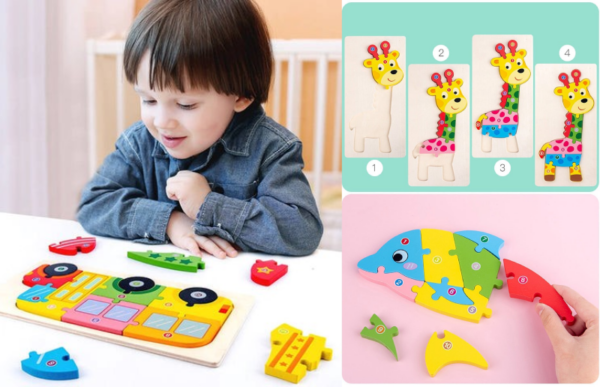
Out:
{"x": 195, "y": 296}
{"x": 136, "y": 284}
{"x": 59, "y": 270}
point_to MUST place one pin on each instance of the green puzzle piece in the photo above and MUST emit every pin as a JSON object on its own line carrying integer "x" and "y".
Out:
{"x": 173, "y": 261}
{"x": 381, "y": 334}
{"x": 477, "y": 268}
{"x": 111, "y": 289}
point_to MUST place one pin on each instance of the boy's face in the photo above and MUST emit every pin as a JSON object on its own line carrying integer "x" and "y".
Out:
{"x": 187, "y": 123}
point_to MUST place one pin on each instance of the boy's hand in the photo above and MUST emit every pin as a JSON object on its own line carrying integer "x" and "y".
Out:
{"x": 181, "y": 233}
{"x": 189, "y": 189}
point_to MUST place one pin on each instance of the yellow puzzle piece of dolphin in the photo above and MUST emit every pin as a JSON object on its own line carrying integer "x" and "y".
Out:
{"x": 470, "y": 313}
{"x": 292, "y": 354}
{"x": 450, "y": 350}
{"x": 439, "y": 263}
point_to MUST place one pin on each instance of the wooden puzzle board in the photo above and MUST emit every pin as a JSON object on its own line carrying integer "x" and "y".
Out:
{"x": 211, "y": 355}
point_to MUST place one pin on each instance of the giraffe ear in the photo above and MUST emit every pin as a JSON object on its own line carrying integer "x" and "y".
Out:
{"x": 523, "y": 53}
{"x": 459, "y": 82}
{"x": 368, "y": 63}
{"x": 496, "y": 62}
{"x": 559, "y": 90}
{"x": 432, "y": 90}
{"x": 586, "y": 82}
{"x": 395, "y": 54}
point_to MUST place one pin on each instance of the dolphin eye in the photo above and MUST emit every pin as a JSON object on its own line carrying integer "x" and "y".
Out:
{"x": 392, "y": 63}
{"x": 571, "y": 95}
{"x": 519, "y": 62}
{"x": 444, "y": 95}
{"x": 400, "y": 256}
{"x": 582, "y": 92}
{"x": 507, "y": 66}
{"x": 380, "y": 68}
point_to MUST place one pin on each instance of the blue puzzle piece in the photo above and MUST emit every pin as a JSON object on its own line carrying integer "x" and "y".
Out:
{"x": 38, "y": 293}
{"x": 491, "y": 243}
{"x": 53, "y": 365}
{"x": 402, "y": 254}
{"x": 499, "y": 132}
{"x": 560, "y": 161}
{"x": 451, "y": 293}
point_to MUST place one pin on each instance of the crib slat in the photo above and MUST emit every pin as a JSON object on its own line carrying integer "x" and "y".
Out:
{"x": 291, "y": 94}
{"x": 319, "y": 131}
{"x": 337, "y": 124}
{"x": 91, "y": 102}
{"x": 277, "y": 90}
{"x": 120, "y": 96}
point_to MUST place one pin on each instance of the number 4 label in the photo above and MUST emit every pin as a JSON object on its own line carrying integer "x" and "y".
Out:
{"x": 567, "y": 53}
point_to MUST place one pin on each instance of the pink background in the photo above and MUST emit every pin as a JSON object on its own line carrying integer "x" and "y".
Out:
{"x": 554, "y": 235}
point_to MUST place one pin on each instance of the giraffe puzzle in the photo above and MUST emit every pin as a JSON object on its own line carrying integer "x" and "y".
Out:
{"x": 376, "y": 123}
{"x": 566, "y": 152}
{"x": 503, "y": 123}
{"x": 439, "y": 151}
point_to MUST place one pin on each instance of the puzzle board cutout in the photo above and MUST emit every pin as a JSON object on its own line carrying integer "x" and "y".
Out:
{"x": 197, "y": 325}
{"x": 450, "y": 273}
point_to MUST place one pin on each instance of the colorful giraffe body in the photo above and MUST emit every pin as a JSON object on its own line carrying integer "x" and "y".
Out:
{"x": 439, "y": 151}
{"x": 504, "y": 122}
{"x": 567, "y": 151}
{"x": 376, "y": 123}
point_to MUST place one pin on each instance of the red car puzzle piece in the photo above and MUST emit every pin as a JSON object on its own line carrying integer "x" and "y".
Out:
{"x": 266, "y": 272}
{"x": 72, "y": 246}
{"x": 527, "y": 284}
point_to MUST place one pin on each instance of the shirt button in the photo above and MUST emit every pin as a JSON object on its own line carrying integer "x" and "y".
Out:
{"x": 146, "y": 235}
{"x": 219, "y": 225}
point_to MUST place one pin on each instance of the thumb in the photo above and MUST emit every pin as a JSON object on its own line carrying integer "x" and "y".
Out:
{"x": 553, "y": 325}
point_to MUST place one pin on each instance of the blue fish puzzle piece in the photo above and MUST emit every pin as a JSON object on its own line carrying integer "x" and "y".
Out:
{"x": 451, "y": 293}
{"x": 402, "y": 254}
{"x": 491, "y": 243}
{"x": 52, "y": 365}
{"x": 38, "y": 293}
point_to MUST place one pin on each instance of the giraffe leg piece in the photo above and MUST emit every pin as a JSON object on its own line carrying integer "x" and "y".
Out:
{"x": 511, "y": 144}
{"x": 575, "y": 172}
{"x": 486, "y": 143}
{"x": 549, "y": 172}
{"x": 423, "y": 170}
{"x": 359, "y": 143}
{"x": 384, "y": 144}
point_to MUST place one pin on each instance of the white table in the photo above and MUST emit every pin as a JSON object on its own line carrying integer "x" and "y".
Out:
{"x": 308, "y": 297}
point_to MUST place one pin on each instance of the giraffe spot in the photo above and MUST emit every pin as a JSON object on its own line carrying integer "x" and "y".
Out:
{"x": 444, "y": 148}
{"x": 516, "y": 118}
{"x": 579, "y": 148}
{"x": 578, "y": 136}
{"x": 451, "y": 135}
{"x": 453, "y": 123}
{"x": 569, "y": 159}
{"x": 496, "y": 132}
{"x": 506, "y": 120}
{"x": 515, "y": 106}
{"x": 452, "y": 147}
{"x": 438, "y": 143}
{"x": 492, "y": 119}
{"x": 559, "y": 141}
{"x": 580, "y": 123}
{"x": 516, "y": 94}
{"x": 570, "y": 149}
{"x": 495, "y": 111}
{"x": 555, "y": 148}
{"x": 429, "y": 147}
{"x": 502, "y": 114}
{"x": 444, "y": 134}
{"x": 432, "y": 140}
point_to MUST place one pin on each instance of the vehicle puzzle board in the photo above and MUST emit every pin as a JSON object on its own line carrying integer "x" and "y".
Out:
{"x": 192, "y": 324}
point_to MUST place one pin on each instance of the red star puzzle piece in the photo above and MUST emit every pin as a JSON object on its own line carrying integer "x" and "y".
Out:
{"x": 266, "y": 272}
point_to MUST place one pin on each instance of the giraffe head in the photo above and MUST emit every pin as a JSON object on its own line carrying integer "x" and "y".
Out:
{"x": 575, "y": 96}
{"x": 448, "y": 96}
{"x": 384, "y": 67}
{"x": 513, "y": 69}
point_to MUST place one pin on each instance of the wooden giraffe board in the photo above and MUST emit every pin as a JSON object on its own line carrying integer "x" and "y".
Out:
{"x": 220, "y": 323}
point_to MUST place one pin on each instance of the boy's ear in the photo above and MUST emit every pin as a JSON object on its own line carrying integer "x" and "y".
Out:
{"x": 432, "y": 90}
{"x": 559, "y": 90}
{"x": 241, "y": 103}
{"x": 496, "y": 62}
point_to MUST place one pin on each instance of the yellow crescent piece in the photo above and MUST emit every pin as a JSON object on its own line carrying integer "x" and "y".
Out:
{"x": 449, "y": 350}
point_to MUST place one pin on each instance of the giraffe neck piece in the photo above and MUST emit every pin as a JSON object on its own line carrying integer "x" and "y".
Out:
{"x": 509, "y": 98}
{"x": 447, "y": 126}
{"x": 574, "y": 127}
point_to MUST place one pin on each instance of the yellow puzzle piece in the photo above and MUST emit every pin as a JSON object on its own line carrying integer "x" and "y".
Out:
{"x": 439, "y": 263}
{"x": 470, "y": 313}
{"x": 450, "y": 350}
{"x": 292, "y": 354}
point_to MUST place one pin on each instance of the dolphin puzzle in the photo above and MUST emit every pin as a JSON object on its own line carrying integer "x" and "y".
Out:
{"x": 450, "y": 273}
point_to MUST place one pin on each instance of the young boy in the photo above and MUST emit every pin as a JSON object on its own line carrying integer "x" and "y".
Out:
{"x": 205, "y": 168}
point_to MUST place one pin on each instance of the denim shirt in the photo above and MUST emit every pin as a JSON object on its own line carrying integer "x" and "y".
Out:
{"x": 260, "y": 198}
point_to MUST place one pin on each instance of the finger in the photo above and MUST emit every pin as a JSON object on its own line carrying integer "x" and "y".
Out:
{"x": 553, "y": 325}
{"x": 578, "y": 326}
{"x": 585, "y": 309}
{"x": 224, "y": 245}
{"x": 191, "y": 245}
{"x": 210, "y": 246}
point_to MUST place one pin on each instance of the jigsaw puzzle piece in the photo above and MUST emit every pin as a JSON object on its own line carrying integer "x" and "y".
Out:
{"x": 477, "y": 268}
{"x": 491, "y": 243}
{"x": 52, "y": 365}
{"x": 381, "y": 334}
{"x": 451, "y": 293}
{"x": 267, "y": 272}
{"x": 439, "y": 263}
{"x": 72, "y": 246}
{"x": 397, "y": 282}
{"x": 525, "y": 284}
{"x": 102, "y": 314}
{"x": 471, "y": 313}
{"x": 450, "y": 350}
{"x": 56, "y": 275}
{"x": 293, "y": 354}
{"x": 138, "y": 290}
{"x": 402, "y": 254}
{"x": 173, "y": 261}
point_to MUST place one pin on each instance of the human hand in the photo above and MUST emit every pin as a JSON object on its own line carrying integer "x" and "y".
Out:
{"x": 180, "y": 230}
{"x": 576, "y": 346}
{"x": 189, "y": 189}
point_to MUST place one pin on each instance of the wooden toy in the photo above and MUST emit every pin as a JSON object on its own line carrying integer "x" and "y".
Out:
{"x": 52, "y": 365}
{"x": 567, "y": 151}
{"x": 292, "y": 354}
{"x": 72, "y": 246}
{"x": 376, "y": 123}
{"x": 168, "y": 319}
{"x": 381, "y": 334}
{"x": 173, "y": 261}
{"x": 450, "y": 273}
{"x": 504, "y": 122}
{"x": 439, "y": 151}
{"x": 525, "y": 284}
{"x": 265, "y": 273}
{"x": 449, "y": 350}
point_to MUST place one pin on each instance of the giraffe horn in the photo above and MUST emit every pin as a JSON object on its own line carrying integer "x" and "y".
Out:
{"x": 576, "y": 74}
{"x": 373, "y": 51}
{"x": 512, "y": 45}
{"x": 437, "y": 79}
{"x": 449, "y": 74}
{"x": 500, "y": 50}
{"x": 385, "y": 47}
{"x": 564, "y": 78}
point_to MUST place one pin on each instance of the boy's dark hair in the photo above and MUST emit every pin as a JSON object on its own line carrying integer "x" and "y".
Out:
{"x": 220, "y": 43}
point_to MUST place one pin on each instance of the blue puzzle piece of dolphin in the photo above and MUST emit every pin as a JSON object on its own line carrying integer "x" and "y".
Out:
{"x": 491, "y": 243}
{"x": 451, "y": 293}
